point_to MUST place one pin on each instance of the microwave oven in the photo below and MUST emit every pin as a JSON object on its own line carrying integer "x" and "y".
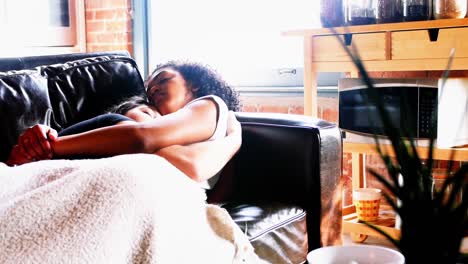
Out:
{"x": 411, "y": 103}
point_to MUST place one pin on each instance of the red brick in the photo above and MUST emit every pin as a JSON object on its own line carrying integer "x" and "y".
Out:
{"x": 405, "y": 74}
{"x": 90, "y": 15}
{"x": 347, "y": 169}
{"x": 375, "y": 74}
{"x": 117, "y": 27}
{"x": 108, "y": 38}
{"x": 273, "y": 109}
{"x": 96, "y": 4}
{"x": 347, "y": 179}
{"x": 328, "y": 103}
{"x": 249, "y": 108}
{"x": 95, "y": 26}
{"x": 92, "y": 38}
{"x": 113, "y": 14}
{"x": 417, "y": 74}
{"x": 273, "y": 104}
{"x": 296, "y": 109}
{"x": 105, "y": 47}
{"x": 330, "y": 115}
{"x": 374, "y": 160}
{"x": 457, "y": 73}
{"x": 129, "y": 26}
{"x": 444, "y": 164}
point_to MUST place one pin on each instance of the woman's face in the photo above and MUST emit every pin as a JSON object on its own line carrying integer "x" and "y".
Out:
{"x": 142, "y": 113}
{"x": 167, "y": 91}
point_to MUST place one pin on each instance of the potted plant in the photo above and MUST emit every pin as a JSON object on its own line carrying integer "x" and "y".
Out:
{"x": 433, "y": 224}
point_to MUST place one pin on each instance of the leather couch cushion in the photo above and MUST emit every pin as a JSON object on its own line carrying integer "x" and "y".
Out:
{"x": 29, "y": 62}
{"x": 21, "y": 108}
{"x": 85, "y": 88}
{"x": 277, "y": 231}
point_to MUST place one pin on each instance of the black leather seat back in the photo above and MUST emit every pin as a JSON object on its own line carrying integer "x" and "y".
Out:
{"x": 21, "y": 63}
{"x": 62, "y": 94}
{"x": 21, "y": 108}
{"x": 82, "y": 89}
{"x": 291, "y": 174}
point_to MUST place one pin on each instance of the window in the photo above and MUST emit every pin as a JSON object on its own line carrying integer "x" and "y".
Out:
{"x": 41, "y": 25}
{"x": 241, "y": 39}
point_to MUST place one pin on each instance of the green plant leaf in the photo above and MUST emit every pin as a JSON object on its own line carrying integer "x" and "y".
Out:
{"x": 435, "y": 224}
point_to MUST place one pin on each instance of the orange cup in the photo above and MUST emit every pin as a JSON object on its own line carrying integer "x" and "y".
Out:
{"x": 367, "y": 203}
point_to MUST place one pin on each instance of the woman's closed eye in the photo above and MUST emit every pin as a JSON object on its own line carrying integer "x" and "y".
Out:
{"x": 157, "y": 88}
{"x": 163, "y": 80}
{"x": 151, "y": 91}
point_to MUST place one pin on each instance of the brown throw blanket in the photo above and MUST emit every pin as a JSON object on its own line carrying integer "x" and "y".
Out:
{"x": 126, "y": 209}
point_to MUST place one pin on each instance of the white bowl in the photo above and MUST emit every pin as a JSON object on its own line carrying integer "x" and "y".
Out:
{"x": 355, "y": 254}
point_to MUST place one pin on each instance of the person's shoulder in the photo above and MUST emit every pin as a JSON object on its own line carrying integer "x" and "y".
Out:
{"x": 214, "y": 98}
{"x": 209, "y": 96}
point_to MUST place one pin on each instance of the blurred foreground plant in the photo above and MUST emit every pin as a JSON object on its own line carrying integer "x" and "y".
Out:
{"x": 433, "y": 224}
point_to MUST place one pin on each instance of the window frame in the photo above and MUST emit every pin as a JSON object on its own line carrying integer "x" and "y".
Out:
{"x": 48, "y": 40}
{"x": 289, "y": 83}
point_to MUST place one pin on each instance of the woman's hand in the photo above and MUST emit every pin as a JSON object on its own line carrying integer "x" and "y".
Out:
{"x": 17, "y": 157}
{"x": 35, "y": 143}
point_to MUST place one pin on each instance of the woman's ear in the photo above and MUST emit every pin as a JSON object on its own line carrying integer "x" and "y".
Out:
{"x": 194, "y": 90}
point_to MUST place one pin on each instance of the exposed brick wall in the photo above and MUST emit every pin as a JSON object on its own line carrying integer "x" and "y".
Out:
{"x": 289, "y": 104}
{"x": 275, "y": 104}
{"x": 417, "y": 74}
{"x": 108, "y": 25}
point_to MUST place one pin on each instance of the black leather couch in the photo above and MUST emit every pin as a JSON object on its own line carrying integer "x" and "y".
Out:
{"x": 282, "y": 188}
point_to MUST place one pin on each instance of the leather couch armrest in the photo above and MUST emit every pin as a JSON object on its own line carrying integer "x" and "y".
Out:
{"x": 291, "y": 159}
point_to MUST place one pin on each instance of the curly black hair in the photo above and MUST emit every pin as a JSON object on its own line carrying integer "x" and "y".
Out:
{"x": 129, "y": 103}
{"x": 203, "y": 80}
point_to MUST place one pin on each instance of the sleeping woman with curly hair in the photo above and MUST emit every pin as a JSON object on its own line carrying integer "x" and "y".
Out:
{"x": 186, "y": 117}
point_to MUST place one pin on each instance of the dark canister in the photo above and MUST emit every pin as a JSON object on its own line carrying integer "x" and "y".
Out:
{"x": 414, "y": 10}
{"x": 389, "y": 11}
{"x": 331, "y": 13}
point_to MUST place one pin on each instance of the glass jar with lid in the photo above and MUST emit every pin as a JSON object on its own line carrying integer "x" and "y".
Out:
{"x": 331, "y": 13}
{"x": 361, "y": 12}
{"x": 414, "y": 10}
{"x": 449, "y": 9}
{"x": 389, "y": 11}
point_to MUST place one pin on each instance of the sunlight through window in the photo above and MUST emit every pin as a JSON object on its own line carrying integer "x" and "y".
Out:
{"x": 241, "y": 39}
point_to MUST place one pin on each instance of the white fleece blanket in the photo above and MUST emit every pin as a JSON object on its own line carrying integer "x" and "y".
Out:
{"x": 126, "y": 209}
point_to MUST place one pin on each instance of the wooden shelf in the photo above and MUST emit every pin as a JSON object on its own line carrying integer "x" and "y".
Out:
{"x": 386, "y": 222}
{"x": 400, "y": 46}
{"x": 401, "y": 26}
{"x": 439, "y": 154}
{"x": 404, "y": 46}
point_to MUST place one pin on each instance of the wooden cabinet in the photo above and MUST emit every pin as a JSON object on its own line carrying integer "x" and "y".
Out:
{"x": 407, "y": 46}
{"x": 371, "y": 47}
{"x": 416, "y": 44}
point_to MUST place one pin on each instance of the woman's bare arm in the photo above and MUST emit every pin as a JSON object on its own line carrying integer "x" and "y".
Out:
{"x": 191, "y": 124}
{"x": 202, "y": 160}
